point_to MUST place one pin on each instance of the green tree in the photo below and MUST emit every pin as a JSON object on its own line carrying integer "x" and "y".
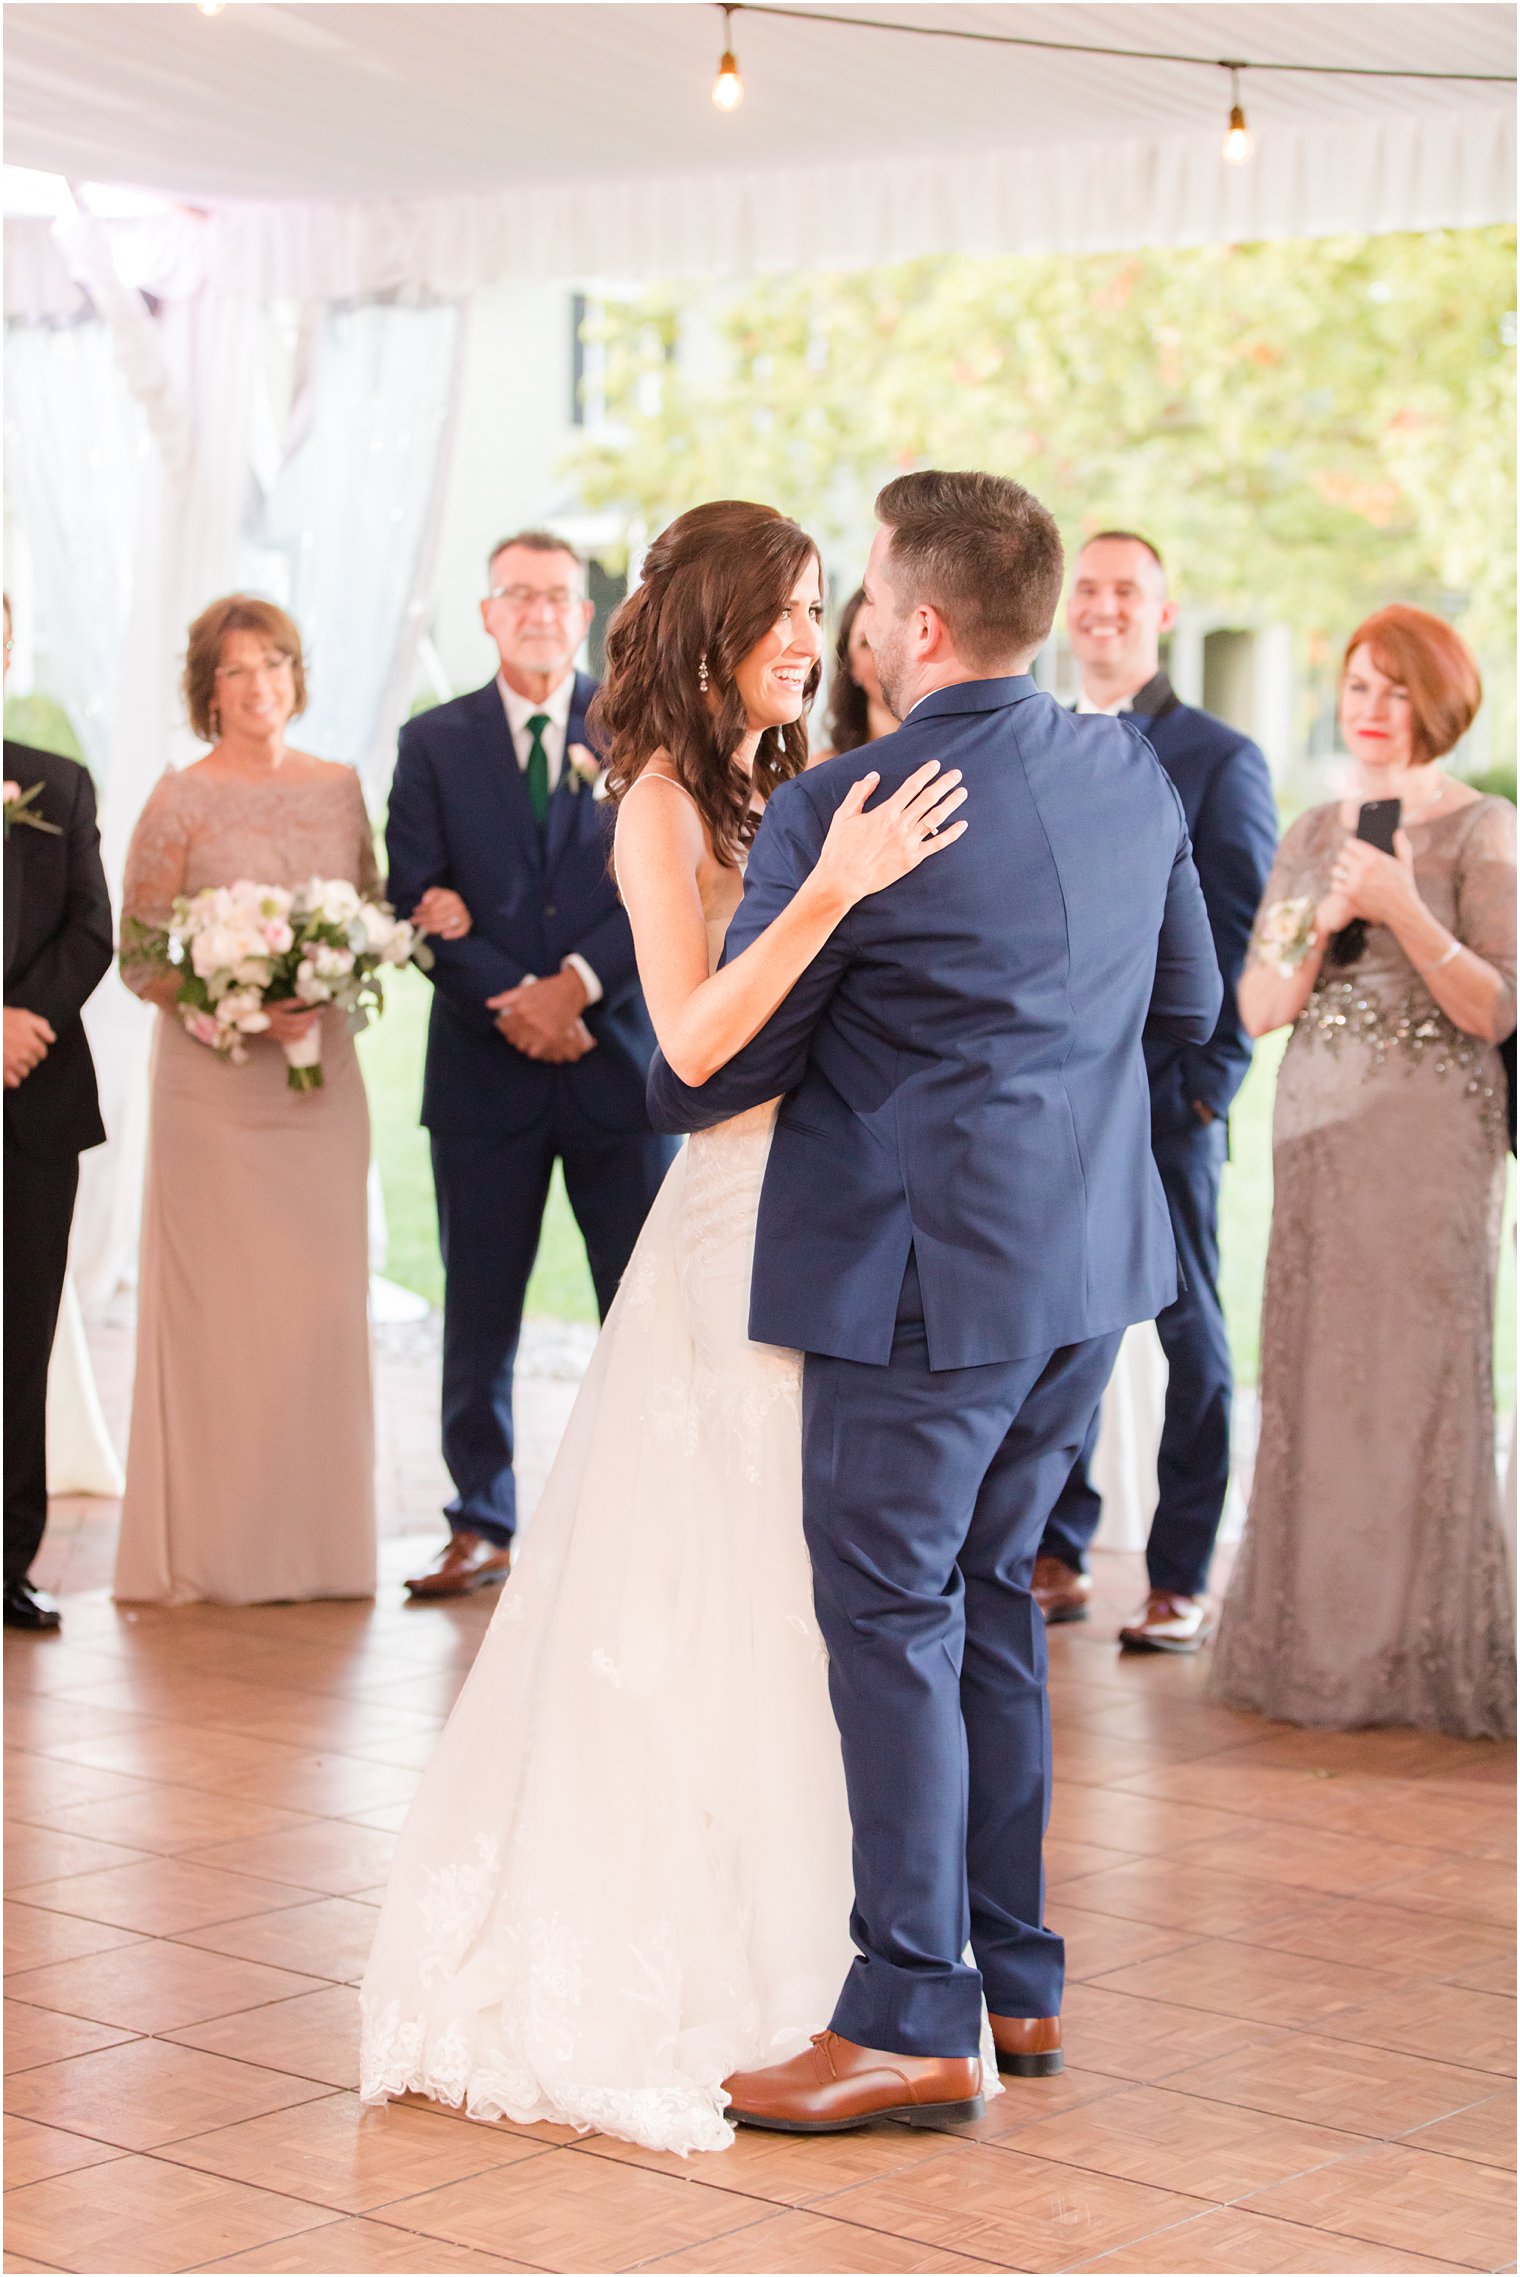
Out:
{"x": 1305, "y": 429}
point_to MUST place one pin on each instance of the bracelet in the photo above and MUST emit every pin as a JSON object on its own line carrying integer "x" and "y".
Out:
{"x": 1454, "y": 951}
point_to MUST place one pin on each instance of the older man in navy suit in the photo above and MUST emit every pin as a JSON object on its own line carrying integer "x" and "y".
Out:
{"x": 1116, "y": 613}
{"x": 960, "y": 1216}
{"x": 539, "y": 1042}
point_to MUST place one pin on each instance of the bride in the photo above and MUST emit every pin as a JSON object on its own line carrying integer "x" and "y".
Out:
{"x": 626, "y": 1874}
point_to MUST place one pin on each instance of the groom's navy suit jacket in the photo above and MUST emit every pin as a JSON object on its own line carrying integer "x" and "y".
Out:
{"x": 460, "y": 815}
{"x": 963, "y": 1062}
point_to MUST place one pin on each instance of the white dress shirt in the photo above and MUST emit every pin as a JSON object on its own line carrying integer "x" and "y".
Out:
{"x": 556, "y": 709}
{"x": 1104, "y": 711}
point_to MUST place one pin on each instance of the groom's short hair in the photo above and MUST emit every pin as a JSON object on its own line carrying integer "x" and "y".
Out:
{"x": 983, "y": 552}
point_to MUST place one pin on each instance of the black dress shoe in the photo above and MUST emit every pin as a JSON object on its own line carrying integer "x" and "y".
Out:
{"x": 25, "y": 1609}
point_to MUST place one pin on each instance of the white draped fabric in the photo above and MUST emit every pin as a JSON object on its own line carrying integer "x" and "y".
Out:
{"x": 137, "y": 476}
{"x": 370, "y": 427}
{"x": 1447, "y": 171}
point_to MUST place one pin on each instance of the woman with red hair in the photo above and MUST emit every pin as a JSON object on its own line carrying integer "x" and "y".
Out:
{"x": 1372, "y": 1586}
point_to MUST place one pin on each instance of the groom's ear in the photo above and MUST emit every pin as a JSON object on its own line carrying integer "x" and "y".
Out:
{"x": 934, "y": 638}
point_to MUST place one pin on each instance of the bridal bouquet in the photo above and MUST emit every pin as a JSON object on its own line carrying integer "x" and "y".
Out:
{"x": 242, "y": 947}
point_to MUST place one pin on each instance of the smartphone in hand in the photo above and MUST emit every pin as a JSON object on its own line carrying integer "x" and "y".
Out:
{"x": 1375, "y": 825}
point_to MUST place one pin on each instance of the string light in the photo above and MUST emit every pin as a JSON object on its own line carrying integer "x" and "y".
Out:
{"x": 728, "y": 87}
{"x": 1238, "y": 148}
{"x": 1239, "y": 145}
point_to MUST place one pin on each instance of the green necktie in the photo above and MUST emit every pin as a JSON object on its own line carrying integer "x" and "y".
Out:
{"x": 538, "y": 768}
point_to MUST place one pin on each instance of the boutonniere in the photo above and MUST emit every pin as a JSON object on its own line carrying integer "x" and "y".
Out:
{"x": 582, "y": 768}
{"x": 20, "y": 806}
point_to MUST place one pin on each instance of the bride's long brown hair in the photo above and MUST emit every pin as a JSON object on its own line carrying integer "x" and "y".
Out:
{"x": 713, "y": 585}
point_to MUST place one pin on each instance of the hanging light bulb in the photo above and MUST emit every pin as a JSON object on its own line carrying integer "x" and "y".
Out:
{"x": 210, "y": 7}
{"x": 728, "y": 87}
{"x": 1238, "y": 147}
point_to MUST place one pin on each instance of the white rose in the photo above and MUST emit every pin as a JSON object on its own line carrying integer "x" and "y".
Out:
{"x": 340, "y": 901}
{"x": 309, "y": 988}
{"x": 379, "y": 928}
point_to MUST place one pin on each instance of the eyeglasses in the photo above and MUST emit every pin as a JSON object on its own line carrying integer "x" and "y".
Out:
{"x": 560, "y": 598}
{"x": 270, "y": 664}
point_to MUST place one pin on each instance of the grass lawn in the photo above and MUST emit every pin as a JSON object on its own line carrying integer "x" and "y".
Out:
{"x": 391, "y": 1051}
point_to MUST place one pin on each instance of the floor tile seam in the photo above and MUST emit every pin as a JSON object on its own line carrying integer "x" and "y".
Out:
{"x": 178, "y": 1854}
{"x": 1320, "y": 2025}
{"x": 1090, "y": 1902}
{"x": 1435, "y": 2266}
{"x": 1388, "y": 2048}
{"x": 285, "y": 2071}
{"x": 1250, "y": 1937}
{"x": 1271, "y": 2111}
{"x": 812, "y": 2205}
{"x": 183, "y": 2023}
{"x": 203, "y": 2268}
{"x": 973, "y": 2265}
{"x": 1183, "y": 2189}
{"x": 22, "y": 2071}
{"x": 305, "y": 1687}
{"x": 648, "y": 2260}
{"x": 1356, "y": 2236}
{"x": 1462, "y": 2158}
{"x": 298, "y": 1898}
{"x": 163, "y": 2153}
{"x": 1365, "y": 1893}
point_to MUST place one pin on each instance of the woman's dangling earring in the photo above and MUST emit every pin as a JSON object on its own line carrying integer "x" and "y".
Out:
{"x": 216, "y": 723}
{"x": 702, "y": 675}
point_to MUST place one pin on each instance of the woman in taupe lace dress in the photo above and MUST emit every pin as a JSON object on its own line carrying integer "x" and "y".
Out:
{"x": 1372, "y": 1585}
{"x": 250, "y": 1469}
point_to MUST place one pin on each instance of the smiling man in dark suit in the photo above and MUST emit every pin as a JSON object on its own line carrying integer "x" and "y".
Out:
{"x": 1116, "y": 612}
{"x": 57, "y": 949}
{"x": 538, "y": 1042}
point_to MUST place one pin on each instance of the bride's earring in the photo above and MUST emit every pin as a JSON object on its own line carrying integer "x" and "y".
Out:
{"x": 702, "y": 675}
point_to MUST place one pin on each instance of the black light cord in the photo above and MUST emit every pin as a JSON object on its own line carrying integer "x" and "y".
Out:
{"x": 1127, "y": 54}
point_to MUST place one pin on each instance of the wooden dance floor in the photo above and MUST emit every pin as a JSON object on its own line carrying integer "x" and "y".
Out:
{"x": 1289, "y": 2023}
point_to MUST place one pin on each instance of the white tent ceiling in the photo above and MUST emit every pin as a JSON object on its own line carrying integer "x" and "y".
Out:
{"x": 348, "y": 146}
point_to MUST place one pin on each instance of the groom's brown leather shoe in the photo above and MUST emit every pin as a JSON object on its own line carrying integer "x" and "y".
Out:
{"x": 466, "y": 1562}
{"x": 1027, "y": 2046}
{"x": 834, "y": 2084}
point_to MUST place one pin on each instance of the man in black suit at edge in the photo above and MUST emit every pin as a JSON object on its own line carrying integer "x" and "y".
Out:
{"x": 57, "y": 950}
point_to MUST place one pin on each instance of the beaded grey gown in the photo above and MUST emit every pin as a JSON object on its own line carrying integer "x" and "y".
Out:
{"x": 1372, "y": 1586}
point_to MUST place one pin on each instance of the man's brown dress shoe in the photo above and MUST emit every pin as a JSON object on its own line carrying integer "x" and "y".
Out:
{"x": 1060, "y": 1591}
{"x": 465, "y": 1563}
{"x": 1027, "y": 2046}
{"x": 834, "y": 2084}
{"x": 1168, "y": 1623}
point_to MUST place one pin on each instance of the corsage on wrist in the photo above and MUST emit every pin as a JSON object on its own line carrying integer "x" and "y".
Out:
{"x": 1285, "y": 934}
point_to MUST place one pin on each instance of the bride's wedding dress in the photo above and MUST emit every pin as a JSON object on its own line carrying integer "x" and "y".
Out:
{"x": 627, "y": 1871}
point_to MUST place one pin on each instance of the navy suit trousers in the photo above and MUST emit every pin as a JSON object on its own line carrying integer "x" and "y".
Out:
{"x": 1193, "y": 1468}
{"x": 491, "y": 1195}
{"x": 924, "y": 1497}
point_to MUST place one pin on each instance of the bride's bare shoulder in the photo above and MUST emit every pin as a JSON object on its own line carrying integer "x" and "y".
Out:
{"x": 659, "y": 826}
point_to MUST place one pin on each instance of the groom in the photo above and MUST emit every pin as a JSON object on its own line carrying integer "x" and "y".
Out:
{"x": 960, "y": 1217}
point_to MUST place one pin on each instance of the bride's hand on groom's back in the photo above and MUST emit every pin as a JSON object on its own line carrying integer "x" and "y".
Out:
{"x": 868, "y": 848}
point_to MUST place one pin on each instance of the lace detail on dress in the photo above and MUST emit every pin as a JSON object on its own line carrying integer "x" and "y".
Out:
{"x": 1347, "y": 1011}
{"x": 1372, "y": 1586}
{"x": 627, "y": 1872}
